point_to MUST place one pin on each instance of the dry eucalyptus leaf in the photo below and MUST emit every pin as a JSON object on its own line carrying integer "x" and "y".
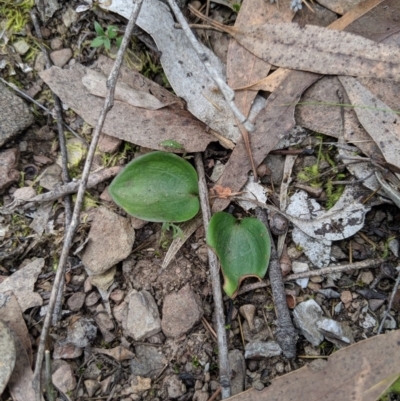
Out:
{"x": 182, "y": 66}
{"x": 319, "y": 111}
{"x": 95, "y": 83}
{"x": 10, "y": 313}
{"x": 21, "y": 380}
{"x": 351, "y": 22}
{"x": 378, "y": 13}
{"x": 358, "y": 372}
{"x": 339, "y": 6}
{"x": 21, "y": 284}
{"x": 242, "y": 66}
{"x": 381, "y": 123}
{"x": 269, "y": 119}
{"x": 8, "y": 355}
{"x": 132, "y": 124}
{"x": 319, "y": 50}
{"x": 273, "y": 123}
{"x": 269, "y": 83}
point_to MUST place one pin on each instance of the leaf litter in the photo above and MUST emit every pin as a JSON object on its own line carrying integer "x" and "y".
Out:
{"x": 344, "y": 220}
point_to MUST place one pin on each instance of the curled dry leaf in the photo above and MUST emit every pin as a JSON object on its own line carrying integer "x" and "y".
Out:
{"x": 8, "y": 355}
{"x": 342, "y": 221}
{"x": 285, "y": 262}
{"x": 390, "y": 191}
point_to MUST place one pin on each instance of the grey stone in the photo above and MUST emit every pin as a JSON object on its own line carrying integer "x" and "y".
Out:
{"x": 175, "y": 387}
{"x": 21, "y": 47}
{"x": 143, "y": 319}
{"x": 75, "y": 301}
{"x": 82, "y": 332}
{"x": 64, "y": 379}
{"x": 61, "y": 57}
{"x": 15, "y": 115}
{"x": 104, "y": 251}
{"x": 51, "y": 177}
{"x": 306, "y": 314}
{"x": 262, "y": 349}
{"x": 259, "y": 333}
{"x": 238, "y": 371}
{"x": 8, "y": 167}
{"x": 181, "y": 311}
{"x": 337, "y": 333}
{"x": 149, "y": 361}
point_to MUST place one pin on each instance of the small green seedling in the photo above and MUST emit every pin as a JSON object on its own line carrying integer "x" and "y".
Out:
{"x": 242, "y": 246}
{"x": 170, "y": 143}
{"x": 159, "y": 187}
{"x": 104, "y": 38}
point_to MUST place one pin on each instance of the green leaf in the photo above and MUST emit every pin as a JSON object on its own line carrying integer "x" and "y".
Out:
{"x": 99, "y": 30}
{"x": 170, "y": 143}
{"x": 242, "y": 246}
{"x": 97, "y": 42}
{"x": 107, "y": 43}
{"x": 158, "y": 186}
{"x": 112, "y": 31}
{"x": 118, "y": 41}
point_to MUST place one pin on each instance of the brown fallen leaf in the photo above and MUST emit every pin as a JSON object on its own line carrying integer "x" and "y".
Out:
{"x": 382, "y": 124}
{"x": 359, "y": 372}
{"x": 95, "y": 83}
{"x": 119, "y": 353}
{"x": 21, "y": 380}
{"x": 138, "y": 81}
{"x": 269, "y": 125}
{"x": 10, "y": 313}
{"x": 354, "y": 22}
{"x": 315, "y": 49}
{"x": 272, "y": 124}
{"x": 339, "y": 6}
{"x": 133, "y": 124}
{"x": 319, "y": 111}
{"x": 242, "y": 66}
{"x": 8, "y": 355}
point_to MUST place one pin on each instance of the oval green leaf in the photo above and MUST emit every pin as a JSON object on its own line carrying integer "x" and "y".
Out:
{"x": 242, "y": 246}
{"x": 159, "y": 187}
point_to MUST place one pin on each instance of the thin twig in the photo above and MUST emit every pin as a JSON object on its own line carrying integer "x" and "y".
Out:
{"x": 389, "y": 307}
{"x": 228, "y": 93}
{"x": 64, "y": 161}
{"x": 59, "y": 192}
{"x": 224, "y": 370}
{"x": 215, "y": 395}
{"x": 108, "y": 104}
{"x": 286, "y": 335}
{"x": 199, "y": 26}
{"x": 209, "y": 328}
{"x": 365, "y": 264}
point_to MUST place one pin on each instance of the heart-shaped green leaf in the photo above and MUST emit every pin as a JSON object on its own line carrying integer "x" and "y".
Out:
{"x": 242, "y": 246}
{"x": 158, "y": 186}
